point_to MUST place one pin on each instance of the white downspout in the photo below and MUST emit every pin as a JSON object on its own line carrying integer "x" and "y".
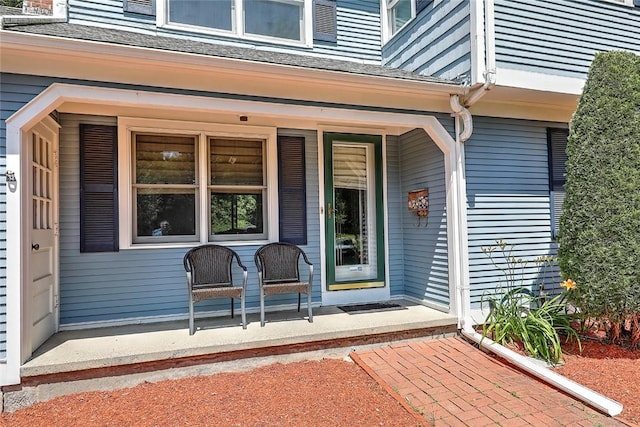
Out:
{"x": 597, "y": 400}
{"x": 489, "y": 72}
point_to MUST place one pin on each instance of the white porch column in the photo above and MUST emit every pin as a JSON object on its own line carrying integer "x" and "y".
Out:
{"x": 10, "y": 370}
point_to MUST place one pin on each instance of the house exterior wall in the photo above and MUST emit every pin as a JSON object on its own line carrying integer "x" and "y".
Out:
{"x": 395, "y": 204}
{"x": 358, "y": 28}
{"x": 508, "y": 198}
{"x": 561, "y": 36}
{"x": 436, "y": 43}
{"x": 139, "y": 283}
{"x": 425, "y": 241}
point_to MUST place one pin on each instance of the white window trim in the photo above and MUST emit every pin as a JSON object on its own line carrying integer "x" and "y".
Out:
{"x": 162, "y": 21}
{"x": 128, "y": 125}
{"x": 385, "y": 5}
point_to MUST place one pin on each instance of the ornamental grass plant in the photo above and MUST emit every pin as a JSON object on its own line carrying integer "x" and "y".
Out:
{"x": 517, "y": 316}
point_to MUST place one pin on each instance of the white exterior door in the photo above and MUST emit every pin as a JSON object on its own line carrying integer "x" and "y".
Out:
{"x": 41, "y": 316}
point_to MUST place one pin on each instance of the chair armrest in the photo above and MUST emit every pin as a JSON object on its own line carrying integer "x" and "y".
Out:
{"x": 240, "y": 264}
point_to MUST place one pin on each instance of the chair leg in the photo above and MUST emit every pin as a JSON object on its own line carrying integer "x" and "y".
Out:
{"x": 298, "y": 302}
{"x": 232, "y": 308}
{"x": 243, "y": 313}
{"x": 192, "y": 327}
{"x": 309, "y": 306}
{"x": 261, "y": 307}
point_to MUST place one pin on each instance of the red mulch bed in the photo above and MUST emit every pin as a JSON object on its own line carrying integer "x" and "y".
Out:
{"x": 611, "y": 370}
{"x": 310, "y": 393}
{"x": 327, "y": 392}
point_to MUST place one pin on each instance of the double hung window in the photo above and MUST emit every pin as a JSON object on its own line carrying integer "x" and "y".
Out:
{"x": 272, "y": 19}
{"x": 237, "y": 187}
{"x": 165, "y": 190}
{"x": 197, "y": 185}
{"x": 399, "y": 12}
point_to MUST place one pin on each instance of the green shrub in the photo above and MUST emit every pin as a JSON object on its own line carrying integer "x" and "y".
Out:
{"x": 599, "y": 241}
{"x": 517, "y": 316}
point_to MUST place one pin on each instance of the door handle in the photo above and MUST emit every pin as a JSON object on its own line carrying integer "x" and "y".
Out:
{"x": 35, "y": 246}
{"x": 329, "y": 210}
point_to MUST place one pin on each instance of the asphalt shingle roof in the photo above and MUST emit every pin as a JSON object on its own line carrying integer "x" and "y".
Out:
{"x": 212, "y": 49}
{"x": 6, "y": 10}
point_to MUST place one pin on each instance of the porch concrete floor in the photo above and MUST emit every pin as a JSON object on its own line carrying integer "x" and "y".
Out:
{"x": 120, "y": 350}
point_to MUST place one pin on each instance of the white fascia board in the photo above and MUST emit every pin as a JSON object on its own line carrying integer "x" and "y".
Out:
{"x": 143, "y": 57}
{"x": 539, "y": 81}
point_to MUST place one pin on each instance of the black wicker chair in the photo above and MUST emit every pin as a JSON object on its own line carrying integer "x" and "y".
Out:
{"x": 278, "y": 272}
{"x": 209, "y": 269}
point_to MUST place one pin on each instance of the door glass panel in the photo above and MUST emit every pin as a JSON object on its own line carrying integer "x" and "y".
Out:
{"x": 41, "y": 183}
{"x": 354, "y": 212}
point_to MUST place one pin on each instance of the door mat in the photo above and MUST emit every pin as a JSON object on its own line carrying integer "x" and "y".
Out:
{"x": 378, "y": 306}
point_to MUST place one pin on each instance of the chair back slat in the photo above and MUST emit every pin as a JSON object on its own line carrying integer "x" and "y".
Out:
{"x": 210, "y": 265}
{"x": 279, "y": 262}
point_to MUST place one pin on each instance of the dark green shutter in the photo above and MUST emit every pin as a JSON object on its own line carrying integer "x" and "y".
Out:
{"x": 325, "y": 20}
{"x": 98, "y": 188}
{"x": 292, "y": 194}
{"x": 557, "y": 148}
{"x": 143, "y": 7}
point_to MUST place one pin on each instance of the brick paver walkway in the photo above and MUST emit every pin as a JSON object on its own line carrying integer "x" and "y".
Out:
{"x": 451, "y": 383}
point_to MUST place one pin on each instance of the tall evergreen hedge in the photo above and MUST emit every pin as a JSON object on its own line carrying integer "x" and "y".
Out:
{"x": 599, "y": 242}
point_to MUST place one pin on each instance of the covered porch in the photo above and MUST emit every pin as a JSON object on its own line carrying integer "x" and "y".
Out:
{"x": 97, "y": 347}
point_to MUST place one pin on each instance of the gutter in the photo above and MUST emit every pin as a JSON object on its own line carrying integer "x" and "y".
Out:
{"x": 464, "y": 129}
{"x": 17, "y": 20}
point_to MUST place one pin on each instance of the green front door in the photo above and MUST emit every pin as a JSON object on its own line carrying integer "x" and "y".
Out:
{"x": 353, "y": 211}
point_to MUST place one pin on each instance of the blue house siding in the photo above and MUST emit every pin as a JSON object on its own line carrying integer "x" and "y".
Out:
{"x": 425, "y": 243}
{"x": 395, "y": 206}
{"x": 358, "y": 28}
{"x": 436, "y": 43}
{"x": 146, "y": 282}
{"x": 561, "y": 36}
{"x": 508, "y": 198}
{"x": 16, "y": 91}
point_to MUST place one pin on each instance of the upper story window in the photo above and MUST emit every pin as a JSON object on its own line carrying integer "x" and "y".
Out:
{"x": 282, "y": 20}
{"x": 399, "y": 12}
